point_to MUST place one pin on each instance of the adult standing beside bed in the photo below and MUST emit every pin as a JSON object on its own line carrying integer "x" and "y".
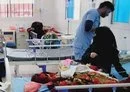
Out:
{"x": 85, "y": 31}
{"x": 104, "y": 44}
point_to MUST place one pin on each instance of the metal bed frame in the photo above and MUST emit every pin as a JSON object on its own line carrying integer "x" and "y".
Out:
{"x": 36, "y": 50}
{"x": 90, "y": 87}
{"x": 39, "y": 53}
{"x": 6, "y": 85}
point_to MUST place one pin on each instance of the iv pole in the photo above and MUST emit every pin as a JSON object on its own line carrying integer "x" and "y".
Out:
{"x": 68, "y": 27}
{"x": 66, "y": 17}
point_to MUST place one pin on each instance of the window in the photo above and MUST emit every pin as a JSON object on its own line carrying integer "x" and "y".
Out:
{"x": 122, "y": 11}
{"x": 16, "y": 8}
{"x": 73, "y": 9}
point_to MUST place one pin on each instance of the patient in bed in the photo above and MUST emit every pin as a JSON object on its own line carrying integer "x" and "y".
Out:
{"x": 105, "y": 52}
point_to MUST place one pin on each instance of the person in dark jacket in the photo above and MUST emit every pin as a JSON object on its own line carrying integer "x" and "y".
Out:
{"x": 105, "y": 47}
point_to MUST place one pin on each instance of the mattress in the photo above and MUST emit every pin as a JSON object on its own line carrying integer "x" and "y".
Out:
{"x": 50, "y": 54}
{"x": 39, "y": 54}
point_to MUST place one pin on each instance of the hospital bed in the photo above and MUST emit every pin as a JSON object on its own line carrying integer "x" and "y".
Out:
{"x": 32, "y": 57}
{"x": 38, "y": 50}
{"x": 6, "y": 84}
{"x": 36, "y": 53}
{"x": 90, "y": 87}
{"x": 39, "y": 53}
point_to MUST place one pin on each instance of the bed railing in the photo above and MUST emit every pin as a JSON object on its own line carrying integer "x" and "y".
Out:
{"x": 39, "y": 53}
{"x": 6, "y": 86}
{"x": 90, "y": 87}
{"x": 42, "y": 43}
{"x": 46, "y": 45}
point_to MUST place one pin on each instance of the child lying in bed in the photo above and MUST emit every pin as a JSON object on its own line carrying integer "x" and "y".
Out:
{"x": 103, "y": 52}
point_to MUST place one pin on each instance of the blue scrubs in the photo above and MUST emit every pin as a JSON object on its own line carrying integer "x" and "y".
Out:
{"x": 83, "y": 39}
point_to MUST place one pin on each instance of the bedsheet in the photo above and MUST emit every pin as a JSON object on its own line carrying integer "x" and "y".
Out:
{"x": 23, "y": 80}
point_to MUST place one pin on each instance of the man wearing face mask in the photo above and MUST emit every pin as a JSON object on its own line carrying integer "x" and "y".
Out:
{"x": 85, "y": 31}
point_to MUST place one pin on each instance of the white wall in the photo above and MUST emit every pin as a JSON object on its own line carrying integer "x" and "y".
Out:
{"x": 47, "y": 14}
{"x": 59, "y": 13}
{"x": 122, "y": 34}
{"x": 61, "y": 22}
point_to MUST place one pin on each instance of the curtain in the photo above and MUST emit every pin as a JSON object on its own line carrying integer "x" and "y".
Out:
{"x": 122, "y": 11}
{"x": 16, "y": 8}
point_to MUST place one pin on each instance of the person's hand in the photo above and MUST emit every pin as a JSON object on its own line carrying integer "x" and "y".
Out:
{"x": 93, "y": 29}
{"x": 93, "y": 54}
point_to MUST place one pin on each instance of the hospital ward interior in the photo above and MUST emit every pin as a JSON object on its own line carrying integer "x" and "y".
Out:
{"x": 37, "y": 46}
